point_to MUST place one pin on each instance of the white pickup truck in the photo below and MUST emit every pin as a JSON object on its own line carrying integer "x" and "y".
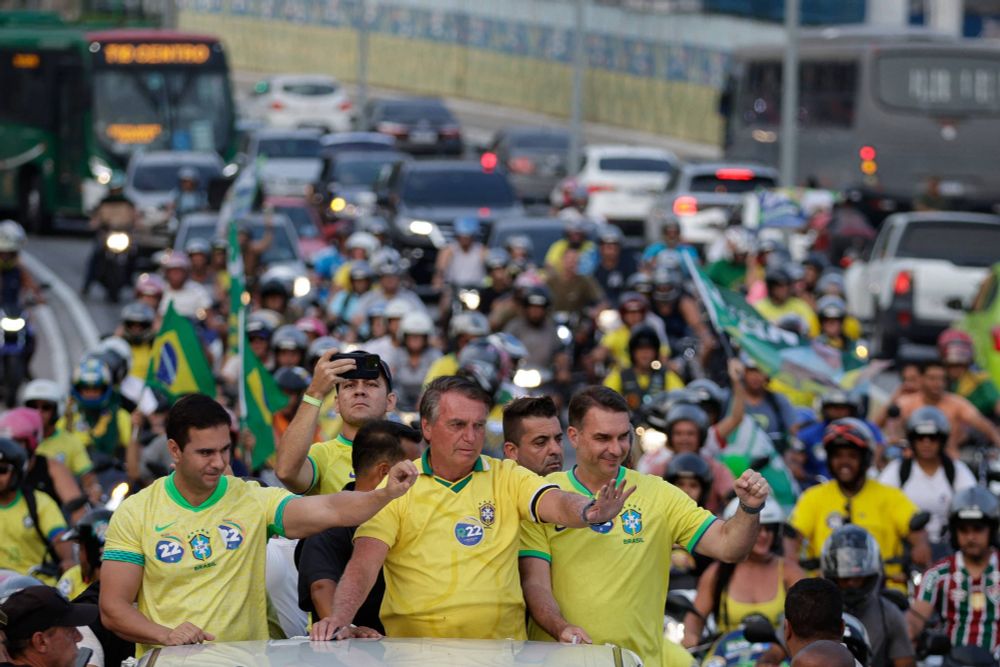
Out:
{"x": 922, "y": 267}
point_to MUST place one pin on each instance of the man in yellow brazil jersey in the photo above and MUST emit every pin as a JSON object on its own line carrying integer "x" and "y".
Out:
{"x": 190, "y": 549}
{"x": 325, "y": 467}
{"x": 565, "y": 573}
{"x": 449, "y": 548}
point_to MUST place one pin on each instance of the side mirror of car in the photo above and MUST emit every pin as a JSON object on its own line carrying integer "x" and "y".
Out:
{"x": 955, "y": 303}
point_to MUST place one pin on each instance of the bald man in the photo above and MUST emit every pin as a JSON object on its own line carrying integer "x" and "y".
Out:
{"x": 824, "y": 653}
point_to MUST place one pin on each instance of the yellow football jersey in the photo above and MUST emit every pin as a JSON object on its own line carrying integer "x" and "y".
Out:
{"x": 451, "y": 570}
{"x": 201, "y": 564}
{"x": 69, "y": 449}
{"x": 883, "y": 511}
{"x": 20, "y": 546}
{"x": 71, "y": 583}
{"x": 442, "y": 366}
{"x": 332, "y": 467}
{"x": 625, "y": 609}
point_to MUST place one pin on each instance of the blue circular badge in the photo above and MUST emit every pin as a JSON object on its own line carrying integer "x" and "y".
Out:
{"x": 469, "y": 532}
{"x": 169, "y": 551}
{"x": 603, "y": 528}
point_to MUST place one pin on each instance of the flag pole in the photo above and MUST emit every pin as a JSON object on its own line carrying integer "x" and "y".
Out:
{"x": 727, "y": 347}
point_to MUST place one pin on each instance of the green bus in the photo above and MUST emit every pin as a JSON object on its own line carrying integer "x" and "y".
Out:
{"x": 77, "y": 102}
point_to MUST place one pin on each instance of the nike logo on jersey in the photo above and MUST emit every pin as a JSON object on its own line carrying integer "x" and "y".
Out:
{"x": 162, "y": 528}
{"x": 560, "y": 529}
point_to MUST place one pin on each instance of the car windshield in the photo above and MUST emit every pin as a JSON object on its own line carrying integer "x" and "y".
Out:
{"x": 635, "y": 164}
{"x": 362, "y": 172}
{"x": 457, "y": 188}
{"x": 413, "y": 112}
{"x": 722, "y": 185}
{"x": 542, "y": 237}
{"x": 962, "y": 243}
{"x": 309, "y": 88}
{"x": 288, "y": 148}
{"x": 280, "y": 249}
{"x": 550, "y": 140}
{"x": 163, "y": 177}
{"x": 301, "y": 220}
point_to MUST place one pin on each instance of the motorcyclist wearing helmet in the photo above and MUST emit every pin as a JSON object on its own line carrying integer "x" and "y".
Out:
{"x": 24, "y": 426}
{"x": 251, "y": 249}
{"x": 88, "y": 534}
{"x": 577, "y": 230}
{"x": 389, "y": 288}
{"x": 189, "y": 196}
{"x": 929, "y": 477}
{"x": 385, "y": 346}
{"x": 573, "y": 290}
{"x": 646, "y": 375}
{"x": 536, "y": 328}
{"x": 138, "y": 328}
{"x": 199, "y": 251}
{"x": 521, "y": 249}
{"x": 293, "y": 382}
{"x": 964, "y": 378}
{"x": 691, "y": 474}
{"x": 780, "y": 300}
{"x": 687, "y": 429}
{"x": 288, "y": 347}
{"x": 95, "y": 413}
{"x": 678, "y": 311}
{"x": 852, "y": 560}
{"x": 962, "y": 589}
{"x": 413, "y": 358}
{"x": 359, "y": 246}
{"x": 761, "y": 580}
{"x": 461, "y": 262}
{"x": 730, "y": 272}
{"x": 834, "y": 404}
{"x": 463, "y": 328}
{"x": 187, "y": 296}
{"x": 633, "y": 309}
{"x": 852, "y": 498}
{"x": 114, "y": 213}
{"x": 671, "y": 244}
{"x": 771, "y": 409}
{"x": 837, "y": 329}
{"x": 613, "y": 265}
{"x": 499, "y": 287}
{"x": 343, "y": 305}
{"x": 274, "y": 293}
{"x": 57, "y": 444}
{"x": 149, "y": 288}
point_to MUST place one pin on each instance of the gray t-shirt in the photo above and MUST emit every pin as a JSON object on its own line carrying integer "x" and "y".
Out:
{"x": 887, "y": 631}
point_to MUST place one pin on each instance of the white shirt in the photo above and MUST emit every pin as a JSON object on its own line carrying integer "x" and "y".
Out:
{"x": 187, "y": 300}
{"x": 282, "y": 586}
{"x": 931, "y": 493}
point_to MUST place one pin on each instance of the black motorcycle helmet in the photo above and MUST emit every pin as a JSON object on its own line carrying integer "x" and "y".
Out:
{"x": 682, "y": 412}
{"x": 976, "y": 504}
{"x": 710, "y": 396}
{"x": 839, "y": 398}
{"x": 643, "y": 336}
{"x": 852, "y": 552}
{"x": 292, "y": 379}
{"x": 137, "y": 322}
{"x": 13, "y": 453}
{"x": 691, "y": 466}
{"x": 89, "y": 532}
{"x": 928, "y": 420}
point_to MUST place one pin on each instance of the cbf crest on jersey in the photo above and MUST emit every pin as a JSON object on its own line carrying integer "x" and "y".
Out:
{"x": 201, "y": 544}
{"x": 632, "y": 522}
{"x": 487, "y": 513}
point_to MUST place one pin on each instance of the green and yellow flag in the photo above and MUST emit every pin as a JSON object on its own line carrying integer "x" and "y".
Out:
{"x": 261, "y": 399}
{"x": 177, "y": 364}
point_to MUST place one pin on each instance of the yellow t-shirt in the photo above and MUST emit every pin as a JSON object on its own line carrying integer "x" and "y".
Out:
{"x": 554, "y": 255}
{"x": 442, "y": 366}
{"x": 627, "y": 608}
{"x": 71, "y": 583}
{"x": 20, "y": 547}
{"x": 141, "y": 355}
{"x": 883, "y": 511}
{"x": 332, "y": 466}
{"x": 451, "y": 570}
{"x": 68, "y": 449}
{"x": 617, "y": 343}
{"x": 672, "y": 381}
{"x": 201, "y": 564}
{"x": 794, "y": 306}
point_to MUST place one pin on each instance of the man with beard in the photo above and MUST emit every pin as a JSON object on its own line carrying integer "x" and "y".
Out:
{"x": 325, "y": 467}
{"x": 851, "y": 498}
{"x": 533, "y": 435}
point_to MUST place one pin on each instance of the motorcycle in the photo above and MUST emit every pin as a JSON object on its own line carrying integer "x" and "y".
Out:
{"x": 16, "y": 349}
{"x": 114, "y": 262}
{"x": 937, "y": 644}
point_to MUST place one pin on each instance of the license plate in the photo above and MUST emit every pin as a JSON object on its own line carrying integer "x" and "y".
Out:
{"x": 423, "y": 136}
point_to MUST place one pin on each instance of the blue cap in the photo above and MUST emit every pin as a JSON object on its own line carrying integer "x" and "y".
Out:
{"x": 467, "y": 227}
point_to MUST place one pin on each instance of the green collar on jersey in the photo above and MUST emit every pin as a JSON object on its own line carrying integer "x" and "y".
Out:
{"x": 175, "y": 495}
{"x": 584, "y": 490}
{"x": 344, "y": 441}
{"x": 425, "y": 464}
{"x": 17, "y": 496}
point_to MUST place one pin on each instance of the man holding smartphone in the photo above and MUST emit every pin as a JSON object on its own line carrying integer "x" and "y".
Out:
{"x": 364, "y": 393}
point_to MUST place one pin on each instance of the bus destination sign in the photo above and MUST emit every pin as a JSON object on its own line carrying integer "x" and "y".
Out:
{"x": 156, "y": 53}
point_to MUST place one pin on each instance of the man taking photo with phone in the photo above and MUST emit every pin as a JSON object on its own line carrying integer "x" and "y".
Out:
{"x": 363, "y": 384}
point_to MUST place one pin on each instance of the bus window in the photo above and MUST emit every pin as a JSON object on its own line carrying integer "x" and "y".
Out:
{"x": 26, "y": 82}
{"x": 827, "y": 92}
{"x": 943, "y": 83}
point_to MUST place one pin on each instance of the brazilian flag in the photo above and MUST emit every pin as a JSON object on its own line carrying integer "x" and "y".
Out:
{"x": 261, "y": 398}
{"x": 177, "y": 364}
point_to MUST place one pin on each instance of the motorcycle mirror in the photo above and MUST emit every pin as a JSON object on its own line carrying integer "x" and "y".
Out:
{"x": 919, "y": 521}
{"x": 678, "y": 605}
{"x": 758, "y": 630}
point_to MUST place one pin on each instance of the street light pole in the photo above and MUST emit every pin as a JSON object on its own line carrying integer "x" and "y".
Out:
{"x": 790, "y": 96}
{"x": 576, "y": 101}
{"x": 363, "y": 59}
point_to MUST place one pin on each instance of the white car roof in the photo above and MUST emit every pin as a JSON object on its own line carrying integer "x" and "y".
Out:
{"x": 304, "y": 78}
{"x": 625, "y": 150}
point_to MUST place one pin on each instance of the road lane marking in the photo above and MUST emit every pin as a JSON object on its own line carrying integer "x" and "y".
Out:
{"x": 59, "y": 361}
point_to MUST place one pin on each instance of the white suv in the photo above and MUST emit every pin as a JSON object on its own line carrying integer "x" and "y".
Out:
{"x": 302, "y": 101}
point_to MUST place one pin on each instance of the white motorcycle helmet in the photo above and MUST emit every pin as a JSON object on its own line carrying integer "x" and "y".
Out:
{"x": 47, "y": 391}
{"x": 771, "y": 514}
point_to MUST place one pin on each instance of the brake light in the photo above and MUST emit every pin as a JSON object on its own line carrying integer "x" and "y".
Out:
{"x": 345, "y": 105}
{"x": 488, "y": 161}
{"x": 484, "y": 211}
{"x": 685, "y": 205}
{"x": 600, "y": 187}
{"x": 394, "y": 129}
{"x": 277, "y": 105}
{"x": 867, "y": 153}
{"x": 996, "y": 339}
{"x": 521, "y": 165}
{"x": 734, "y": 174}
{"x": 903, "y": 284}
{"x": 449, "y": 131}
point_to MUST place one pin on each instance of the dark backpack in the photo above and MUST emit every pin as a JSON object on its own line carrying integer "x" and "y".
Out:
{"x": 906, "y": 467}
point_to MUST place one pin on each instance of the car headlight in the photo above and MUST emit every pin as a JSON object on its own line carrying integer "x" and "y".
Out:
{"x": 528, "y": 378}
{"x": 469, "y": 298}
{"x": 118, "y": 242}
{"x": 100, "y": 169}
{"x": 301, "y": 286}
{"x": 565, "y": 334}
{"x": 12, "y": 324}
{"x": 421, "y": 227}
